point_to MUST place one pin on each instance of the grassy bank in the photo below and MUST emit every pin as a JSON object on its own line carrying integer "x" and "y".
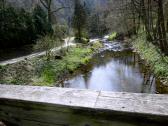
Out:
{"x": 57, "y": 70}
{"x": 39, "y": 71}
{"x": 157, "y": 62}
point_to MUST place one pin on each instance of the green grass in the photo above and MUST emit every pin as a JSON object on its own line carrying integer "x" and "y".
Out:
{"x": 54, "y": 70}
{"x": 112, "y": 36}
{"x": 158, "y": 63}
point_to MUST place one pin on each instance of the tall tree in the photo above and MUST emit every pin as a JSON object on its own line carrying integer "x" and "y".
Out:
{"x": 161, "y": 27}
{"x": 47, "y": 5}
{"x": 2, "y": 4}
{"x": 79, "y": 19}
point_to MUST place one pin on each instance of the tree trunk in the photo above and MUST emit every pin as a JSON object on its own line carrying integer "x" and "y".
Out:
{"x": 49, "y": 15}
{"x": 134, "y": 17}
{"x": 79, "y": 34}
{"x": 167, "y": 26}
{"x": 162, "y": 29}
{"x": 145, "y": 20}
{"x": 3, "y": 4}
{"x": 49, "y": 11}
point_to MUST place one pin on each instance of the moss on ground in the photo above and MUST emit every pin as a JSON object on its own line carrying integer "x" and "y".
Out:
{"x": 151, "y": 54}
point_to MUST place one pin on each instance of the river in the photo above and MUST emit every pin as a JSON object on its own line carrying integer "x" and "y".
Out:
{"x": 115, "y": 68}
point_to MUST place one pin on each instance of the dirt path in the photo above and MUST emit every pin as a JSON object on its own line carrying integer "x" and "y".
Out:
{"x": 68, "y": 42}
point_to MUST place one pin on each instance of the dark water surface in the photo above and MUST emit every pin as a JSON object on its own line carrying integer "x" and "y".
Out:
{"x": 116, "y": 68}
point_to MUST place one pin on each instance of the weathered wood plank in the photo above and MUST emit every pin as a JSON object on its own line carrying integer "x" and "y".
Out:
{"x": 137, "y": 103}
{"x": 39, "y": 117}
{"x": 147, "y": 106}
{"x": 143, "y": 96}
{"x": 71, "y": 97}
{"x": 38, "y": 106}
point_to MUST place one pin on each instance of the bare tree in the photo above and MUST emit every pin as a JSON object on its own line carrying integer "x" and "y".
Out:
{"x": 48, "y": 6}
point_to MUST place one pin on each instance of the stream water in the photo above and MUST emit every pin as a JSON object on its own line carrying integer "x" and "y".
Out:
{"x": 116, "y": 68}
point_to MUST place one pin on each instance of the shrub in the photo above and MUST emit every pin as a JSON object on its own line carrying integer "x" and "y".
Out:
{"x": 112, "y": 36}
{"x": 19, "y": 27}
{"x": 96, "y": 45}
{"x": 47, "y": 43}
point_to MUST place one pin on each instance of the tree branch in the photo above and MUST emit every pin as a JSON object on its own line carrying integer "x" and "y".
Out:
{"x": 59, "y": 9}
{"x": 42, "y": 2}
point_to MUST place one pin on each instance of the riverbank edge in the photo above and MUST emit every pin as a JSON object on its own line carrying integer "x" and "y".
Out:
{"x": 83, "y": 54}
{"x": 157, "y": 63}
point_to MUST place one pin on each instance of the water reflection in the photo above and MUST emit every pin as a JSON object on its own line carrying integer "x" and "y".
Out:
{"x": 121, "y": 73}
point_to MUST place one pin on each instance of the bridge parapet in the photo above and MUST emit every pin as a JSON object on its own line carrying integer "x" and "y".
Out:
{"x": 50, "y": 106}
